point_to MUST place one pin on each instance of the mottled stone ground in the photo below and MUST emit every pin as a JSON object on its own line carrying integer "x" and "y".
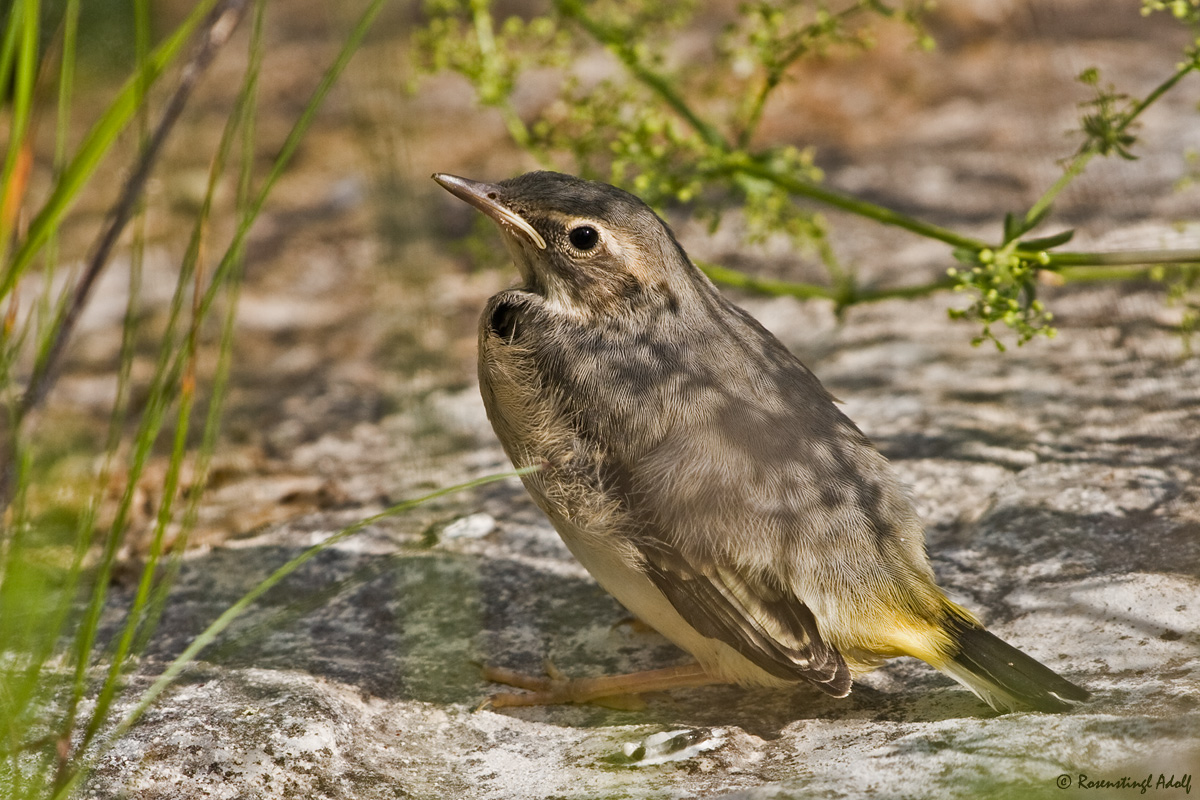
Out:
{"x": 1059, "y": 480}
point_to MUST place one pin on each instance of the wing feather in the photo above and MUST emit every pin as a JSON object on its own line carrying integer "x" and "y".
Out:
{"x": 771, "y": 629}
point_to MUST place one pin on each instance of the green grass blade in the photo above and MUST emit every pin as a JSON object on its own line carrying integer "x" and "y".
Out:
{"x": 97, "y": 143}
{"x": 23, "y": 21}
{"x": 8, "y": 49}
{"x": 237, "y": 609}
{"x": 286, "y": 152}
{"x": 209, "y": 634}
{"x": 142, "y": 613}
{"x": 243, "y": 119}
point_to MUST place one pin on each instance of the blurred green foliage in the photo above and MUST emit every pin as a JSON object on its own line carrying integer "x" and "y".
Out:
{"x": 68, "y": 506}
{"x": 687, "y": 129}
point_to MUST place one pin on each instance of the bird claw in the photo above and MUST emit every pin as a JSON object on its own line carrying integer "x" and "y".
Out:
{"x": 554, "y": 689}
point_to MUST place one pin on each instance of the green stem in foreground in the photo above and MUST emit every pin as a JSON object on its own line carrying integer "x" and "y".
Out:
{"x": 620, "y": 44}
{"x": 1091, "y": 149}
{"x": 616, "y": 42}
{"x": 769, "y": 286}
{"x": 846, "y": 293}
{"x": 96, "y": 144}
{"x": 1072, "y": 268}
{"x": 1056, "y": 262}
{"x": 23, "y": 24}
{"x": 776, "y": 71}
{"x": 209, "y": 634}
{"x": 492, "y": 92}
{"x": 843, "y": 296}
{"x": 854, "y": 205}
{"x": 1098, "y": 274}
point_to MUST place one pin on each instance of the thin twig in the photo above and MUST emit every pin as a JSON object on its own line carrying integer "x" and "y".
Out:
{"x": 620, "y": 44}
{"x": 847, "y": 295}
{"x": 1089, "y": 148}
{"x": 802, "y": 41}
{"x": 744, "y": 164}
{"x": 854, "y": 205}
{"x": 224, "y": 20}
{"x": 220, "y": 26}
{"x": 1116, "y": 258}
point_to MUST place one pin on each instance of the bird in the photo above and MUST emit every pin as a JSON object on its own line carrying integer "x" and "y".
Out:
{"x": 701, "y": 472}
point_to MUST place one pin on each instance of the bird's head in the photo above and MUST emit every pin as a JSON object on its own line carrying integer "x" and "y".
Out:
{"x": 588, "y": 248}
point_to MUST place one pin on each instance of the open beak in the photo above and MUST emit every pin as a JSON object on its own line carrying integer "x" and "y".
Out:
{"x": 486, "y": 197}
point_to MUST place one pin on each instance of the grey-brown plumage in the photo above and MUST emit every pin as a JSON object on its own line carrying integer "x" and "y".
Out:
{"x": 699, "y": 471}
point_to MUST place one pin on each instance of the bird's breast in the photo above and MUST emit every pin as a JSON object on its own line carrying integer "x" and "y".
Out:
{"x": 538, "y": 420}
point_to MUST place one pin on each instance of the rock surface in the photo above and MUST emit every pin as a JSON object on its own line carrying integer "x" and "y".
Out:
{"x": 1060, "y": 483}
{"x": 1062, "y": 497}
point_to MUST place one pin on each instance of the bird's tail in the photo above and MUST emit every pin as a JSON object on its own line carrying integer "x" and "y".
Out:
{"x": 1003, "y": 677}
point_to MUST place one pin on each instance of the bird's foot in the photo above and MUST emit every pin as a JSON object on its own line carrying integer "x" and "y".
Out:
{"x": 612, "y": 691}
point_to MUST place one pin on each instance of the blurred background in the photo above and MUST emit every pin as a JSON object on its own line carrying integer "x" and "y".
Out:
{"x": 351, "y": 347}
{"x": 363, "y": 279}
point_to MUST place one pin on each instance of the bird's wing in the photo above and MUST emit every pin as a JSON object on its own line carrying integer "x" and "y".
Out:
{"x": 748, "y": 494}
{"x": 769, "y": 627}
{"x": 760, "y": 491}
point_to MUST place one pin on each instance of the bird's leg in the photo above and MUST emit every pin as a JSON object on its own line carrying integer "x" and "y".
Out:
{"x": 556, "y": 689}
{"x": 635, "y": 625}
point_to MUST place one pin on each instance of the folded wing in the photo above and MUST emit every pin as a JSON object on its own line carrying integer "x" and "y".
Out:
{"x": 768, "y": 627}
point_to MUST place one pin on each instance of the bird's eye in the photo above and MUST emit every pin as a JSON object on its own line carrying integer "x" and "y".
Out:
{"x": 584, "y": 237}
